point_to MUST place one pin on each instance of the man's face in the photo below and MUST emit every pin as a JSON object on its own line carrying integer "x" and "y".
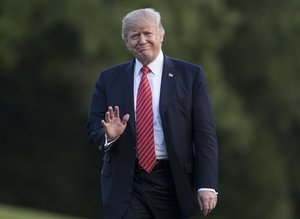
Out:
{"x": 144, "y": 42}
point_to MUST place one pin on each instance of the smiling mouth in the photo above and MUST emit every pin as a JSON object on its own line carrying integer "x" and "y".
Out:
{"x": 143, "y": 49}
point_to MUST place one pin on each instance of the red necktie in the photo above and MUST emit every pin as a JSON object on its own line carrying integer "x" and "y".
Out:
{"x": 144, "y": 124}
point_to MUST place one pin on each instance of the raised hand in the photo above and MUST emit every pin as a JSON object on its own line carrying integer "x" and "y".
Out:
{"x": 112, "y": 124}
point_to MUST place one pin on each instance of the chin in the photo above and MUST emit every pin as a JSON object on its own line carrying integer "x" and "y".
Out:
{"x": 144, "y": 59}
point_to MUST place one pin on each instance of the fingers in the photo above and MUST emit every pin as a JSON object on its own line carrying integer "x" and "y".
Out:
{"x": 214, "y": 202}
{"x": 109, "y": 114}
{"x": 200, "y": 203}
{"x": 205, "y": 207}
{"x": 112, "y": 114}
{"x": 103, "y": 123}
{"x": 207, "y": 201}
{"x": 116, "y": 112}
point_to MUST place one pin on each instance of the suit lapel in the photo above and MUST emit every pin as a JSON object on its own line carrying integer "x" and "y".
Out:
{"x": 167, "y": 84}
{"x": 127, "y": 92}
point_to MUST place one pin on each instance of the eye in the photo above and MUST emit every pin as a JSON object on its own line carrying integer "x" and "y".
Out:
{"x": 134, "y": 36}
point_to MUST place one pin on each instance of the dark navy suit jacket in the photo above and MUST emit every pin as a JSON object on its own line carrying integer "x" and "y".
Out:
{"x": 189, "y": 131}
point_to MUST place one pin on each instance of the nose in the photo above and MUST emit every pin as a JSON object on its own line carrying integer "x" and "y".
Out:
{"x": 142, "y": 39}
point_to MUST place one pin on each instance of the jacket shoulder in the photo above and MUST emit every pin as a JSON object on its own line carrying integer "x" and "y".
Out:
{"x": 117, "y": 68}
{"x": 178, "y": 63}
{"x": 185, "y": 67}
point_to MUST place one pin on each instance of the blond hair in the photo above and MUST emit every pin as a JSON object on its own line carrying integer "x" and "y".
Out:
{"x": 139, "y": 18}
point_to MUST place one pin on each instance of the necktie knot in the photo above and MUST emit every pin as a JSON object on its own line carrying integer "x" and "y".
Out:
{"x": 145, "y": 69}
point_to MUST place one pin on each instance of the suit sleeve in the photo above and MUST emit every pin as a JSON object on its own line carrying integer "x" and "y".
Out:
{"x": 96, "y": 113}
{"x": 204, "y": 135}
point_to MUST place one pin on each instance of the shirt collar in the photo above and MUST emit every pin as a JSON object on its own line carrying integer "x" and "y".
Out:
{"x": 155, "y": 66}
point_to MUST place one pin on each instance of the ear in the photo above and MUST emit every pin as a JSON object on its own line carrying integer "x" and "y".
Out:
{"x": 127, "y": 44}
{"x": 161, "y": 38}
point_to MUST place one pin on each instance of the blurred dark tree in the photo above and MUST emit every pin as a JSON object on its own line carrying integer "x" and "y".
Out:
{"x": 262, "y": 65}
{"x": 52, "y": 51}
{"x": 45, "y": 159}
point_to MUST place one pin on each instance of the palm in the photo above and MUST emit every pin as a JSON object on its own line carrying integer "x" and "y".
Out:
{"x": 114, "y": 128}
{"x": 112, "y": 124}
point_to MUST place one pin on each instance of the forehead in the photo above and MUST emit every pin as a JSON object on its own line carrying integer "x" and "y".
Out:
{"x": 142, "y": 28}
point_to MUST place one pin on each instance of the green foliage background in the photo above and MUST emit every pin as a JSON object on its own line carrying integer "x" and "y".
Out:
{"x": 52, "y": 51}
{"x": 9, "y": 212}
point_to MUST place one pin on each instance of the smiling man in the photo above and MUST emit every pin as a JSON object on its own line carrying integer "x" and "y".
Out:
{"x": 153, "y": 119}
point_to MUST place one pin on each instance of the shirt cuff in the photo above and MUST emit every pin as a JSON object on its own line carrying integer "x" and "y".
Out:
{"x": 107, "y": 145}
{"x": 208, "y": 189}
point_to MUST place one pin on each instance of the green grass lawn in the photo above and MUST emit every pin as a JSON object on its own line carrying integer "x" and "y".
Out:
{"x": 10, "y": 212}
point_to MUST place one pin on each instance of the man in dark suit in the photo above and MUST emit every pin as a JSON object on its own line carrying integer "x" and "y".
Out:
{"x": 153, "y": 119}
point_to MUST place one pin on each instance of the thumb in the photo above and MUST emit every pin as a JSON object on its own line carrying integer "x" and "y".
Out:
{"x": 125, "y": 119}
{"x": 200, "y": 202}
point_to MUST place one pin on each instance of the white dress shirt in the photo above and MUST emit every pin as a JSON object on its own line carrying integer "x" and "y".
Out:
{"x": 154, "y": 78}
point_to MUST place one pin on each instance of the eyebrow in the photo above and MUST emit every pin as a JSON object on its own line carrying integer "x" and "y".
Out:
{"x": 134, "y": 34}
